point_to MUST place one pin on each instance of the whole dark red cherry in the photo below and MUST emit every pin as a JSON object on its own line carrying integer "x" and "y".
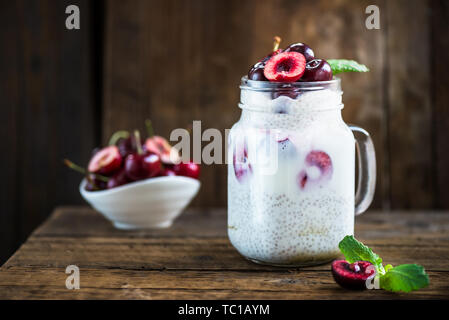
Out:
{"x": 256, "y": 72}
{"x": 118, "y": 179}
{"x": 187, "y": 169}
{"x": 135, "y": 168}
{"x": 317, "y": 70}
{"x": 153, "y": 164}
{"x": 302, "y": 48}
{"x": 127, "y": 146}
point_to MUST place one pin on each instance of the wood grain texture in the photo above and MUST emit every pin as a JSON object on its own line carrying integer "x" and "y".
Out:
{"x": 194, "y": 260}
{"x": 47, "y": 93}
{"x": 409, "y": 102}
{"x": 439, "y": 82}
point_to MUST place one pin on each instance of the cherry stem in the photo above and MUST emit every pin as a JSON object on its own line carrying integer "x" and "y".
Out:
{"x": 81, "y": 170}
{"x": 149, "y": 126}
{"x": 92, "y": 182}
{"x": 138, "y": 143}
{"x": 122, "y": 134}
{"x": 277, "y": 42}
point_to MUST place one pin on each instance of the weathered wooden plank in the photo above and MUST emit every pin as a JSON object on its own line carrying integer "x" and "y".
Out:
{"x": 19, "y": 282}
{"x": 409, "y": 101}
{"x": 84, "y": 222}
{"x": 202, "y": 223}
{"x": 440, "y": 81}
{"x": 186, "y": 264}
{"x": 197, "y": 254}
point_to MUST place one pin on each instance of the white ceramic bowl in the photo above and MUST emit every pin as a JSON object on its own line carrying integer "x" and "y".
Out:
{"x": 150, "y": 203}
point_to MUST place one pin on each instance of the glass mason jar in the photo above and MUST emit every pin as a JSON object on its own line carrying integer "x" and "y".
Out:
{"x": 291, "y": 173}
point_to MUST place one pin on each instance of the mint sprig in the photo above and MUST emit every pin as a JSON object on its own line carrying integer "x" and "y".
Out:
{"x": 405, "y": 277}
{"x": 343, "y": 65}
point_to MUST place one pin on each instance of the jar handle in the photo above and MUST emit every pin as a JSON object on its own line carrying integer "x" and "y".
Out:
{"x": 366, "y": 164}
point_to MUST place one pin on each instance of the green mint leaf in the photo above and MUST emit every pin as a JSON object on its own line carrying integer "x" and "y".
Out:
{"x": 406, "y": 277}
{"x": 354, "y": 250}
{"x": 342, "y": 65}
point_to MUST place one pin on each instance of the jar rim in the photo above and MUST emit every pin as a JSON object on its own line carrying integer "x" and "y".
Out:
{"x": 254, "y": 85}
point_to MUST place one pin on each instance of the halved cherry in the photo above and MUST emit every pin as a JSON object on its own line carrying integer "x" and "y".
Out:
{"x": 285, "y": 67}
{"x": 242, "y": 167}
{"x": 105, "y": 161}
{"x": 318, "y": 167}
{"x": 160, "y": 146}
{"x": 352, "y": 275}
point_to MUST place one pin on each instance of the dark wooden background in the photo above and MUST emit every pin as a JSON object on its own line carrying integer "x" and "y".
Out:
{"x": 174, "y": 61}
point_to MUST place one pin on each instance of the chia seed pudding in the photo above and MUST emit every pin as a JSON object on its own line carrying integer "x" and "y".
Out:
{"x": 296, "y": 211}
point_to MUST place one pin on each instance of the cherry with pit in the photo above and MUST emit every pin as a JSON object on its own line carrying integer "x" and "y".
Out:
{"x": 240, "y": 161}
{"x": 352, "y": 275}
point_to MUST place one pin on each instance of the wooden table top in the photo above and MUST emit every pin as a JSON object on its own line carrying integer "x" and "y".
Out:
{"x": 194, "y": 260}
